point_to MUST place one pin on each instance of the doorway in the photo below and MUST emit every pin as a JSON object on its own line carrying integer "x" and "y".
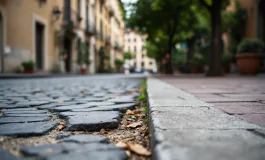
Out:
{"x": 39, "y": 45}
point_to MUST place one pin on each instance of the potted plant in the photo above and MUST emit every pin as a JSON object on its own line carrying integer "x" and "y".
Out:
{"x": 248, "y": 56}
{"x": 196, "y": 63}
{"x": 28, "y": 66}
{"x": 225, "y": 62}
{"x": 118, "y": 64}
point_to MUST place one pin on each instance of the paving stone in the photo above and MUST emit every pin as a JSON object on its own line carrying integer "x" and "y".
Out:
{"x": 49, "y": 149}
{"x": 241, "y": 108}
{"x": 87, "y": 105}
{"x": 24, "y": 112}
{"x": 7, "y": 156}
{"x": 93, "y": 122}
{"x": 84, "y": 138}
{"x": 120, "y": 100}
{"x": 21, "y": 109}
{"x": 9, "y": 106}
{"x": 25, "y": 115}
{"x": 53, "y": 105}
{"x": 4, "y": 120}
{"x": 114, "y": 114}
{"x": 106, "y": 155}
{"x": 26, "y": 129}
{"x": 62, "y": 135}
{"x": 32, "y": 103}
{"x": 197, "y": 117}
{"x": 258, "y": 119}
{"x": 118, "y": 107}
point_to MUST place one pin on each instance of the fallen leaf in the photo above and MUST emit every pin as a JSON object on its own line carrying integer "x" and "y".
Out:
{"x": 61, "y": 127}
{"x": 103, "y": 131}
{"x": 59, "y": 100}
{"x": 134, "y": 125}
{"x": 128, "y": 153}
{"x": 129, "y": 112}
{"x": 122, "y": 145}
{"x": 139, "y": 149}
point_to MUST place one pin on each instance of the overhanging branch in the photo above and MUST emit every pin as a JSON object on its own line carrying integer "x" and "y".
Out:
{"x": 207, "y": 6}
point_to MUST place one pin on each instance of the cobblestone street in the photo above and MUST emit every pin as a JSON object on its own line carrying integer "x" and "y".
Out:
{"x": 38, "y": 107}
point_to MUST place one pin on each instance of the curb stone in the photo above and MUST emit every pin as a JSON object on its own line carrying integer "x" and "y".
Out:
{"x": 183, "y": 127}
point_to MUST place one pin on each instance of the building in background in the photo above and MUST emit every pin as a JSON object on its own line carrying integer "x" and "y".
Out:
{"x": 135, "y": 44}
{"x": 53, "y": 33}
{"x": 110, "y": 30}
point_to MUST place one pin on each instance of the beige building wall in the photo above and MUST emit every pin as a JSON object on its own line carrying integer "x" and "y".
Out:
{"x": 20, "y": 18}
{"x": 134, "y": 43}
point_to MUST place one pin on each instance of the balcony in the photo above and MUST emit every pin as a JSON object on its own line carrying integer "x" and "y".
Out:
{"x": 117, "y": 47}
{"x": 102, "y": 1}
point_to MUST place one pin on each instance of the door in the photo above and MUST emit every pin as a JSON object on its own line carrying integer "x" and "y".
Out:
{"x": 39, "y": 45}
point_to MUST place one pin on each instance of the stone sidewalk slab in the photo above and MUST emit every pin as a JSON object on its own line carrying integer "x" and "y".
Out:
{"x": 184, "y": 127}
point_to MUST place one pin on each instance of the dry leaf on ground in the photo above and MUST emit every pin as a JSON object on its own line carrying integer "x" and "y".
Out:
{"x": 61, "y": 127}
{"x": 134, "y": 125}
{"x": 102, "y": 131}
{"x": 139, "y": 149}
{"x": 122, "y": 145}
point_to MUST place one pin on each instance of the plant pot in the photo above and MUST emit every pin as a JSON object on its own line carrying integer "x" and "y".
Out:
{"x": 28, "y": 70}
{"x": 83, "y": 70}
{"x": 248, "y": 63}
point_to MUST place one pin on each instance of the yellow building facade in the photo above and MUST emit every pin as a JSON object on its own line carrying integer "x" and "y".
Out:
{"x": 29, "y": 30}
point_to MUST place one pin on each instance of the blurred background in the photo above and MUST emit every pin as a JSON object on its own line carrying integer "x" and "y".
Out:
{"x": 115, "y": 36}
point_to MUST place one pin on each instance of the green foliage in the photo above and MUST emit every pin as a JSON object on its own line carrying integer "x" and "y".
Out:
{"x": 144, "y": 110}
{"x": 146, "y": 121}
{"x": 28, "y": 64}
{"x": 234, "y": 22}
{"x": 127, "y": 55}
{"x": 119, "y": 62}
{"x": 197, "y": 60}
{"x": 250, "y": 46}
{"x": 179, "y": 57}
{"x": 107, "y": 57}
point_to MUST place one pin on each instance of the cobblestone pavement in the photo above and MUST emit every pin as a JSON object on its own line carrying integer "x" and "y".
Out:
{"x": 194, "y": 117}
{"x": 36, "y": 107}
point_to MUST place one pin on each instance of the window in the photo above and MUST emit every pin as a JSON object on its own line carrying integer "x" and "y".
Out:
{"x": 142, "y": 55}
{"x": 134, "y": 39}
{"x": 128, "y": 39}
{"x": 150, "y": 63}
{"x": 142, "y": 48}
{"x": 142, "y": 39}
{"x": 134, "y": 48}
{"x": 129, "y": 49}
{"x": 100, "y": 5}
{"x": 142, "y": 64}
{"x": 134, "y": 56}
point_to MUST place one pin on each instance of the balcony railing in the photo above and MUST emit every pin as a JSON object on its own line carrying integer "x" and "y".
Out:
{"x": 90, "y": 29}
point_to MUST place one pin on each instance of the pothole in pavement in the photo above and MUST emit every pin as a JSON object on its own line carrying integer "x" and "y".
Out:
{"x": 121, "y": 120}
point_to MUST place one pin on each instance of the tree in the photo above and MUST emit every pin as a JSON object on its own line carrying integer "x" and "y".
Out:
{"x": 215, "y": 8}
{"x": 154, "y": 17}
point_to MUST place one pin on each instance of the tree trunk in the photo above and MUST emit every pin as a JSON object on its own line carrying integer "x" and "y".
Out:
{"x": 168, "y": 67}
{"x": 215, "y": 56}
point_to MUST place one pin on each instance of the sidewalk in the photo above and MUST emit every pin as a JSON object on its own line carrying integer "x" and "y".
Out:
{"x": 193, "y": 117}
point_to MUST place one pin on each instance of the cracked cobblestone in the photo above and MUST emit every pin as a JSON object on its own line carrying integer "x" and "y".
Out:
{"x": 37, "y": 106}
